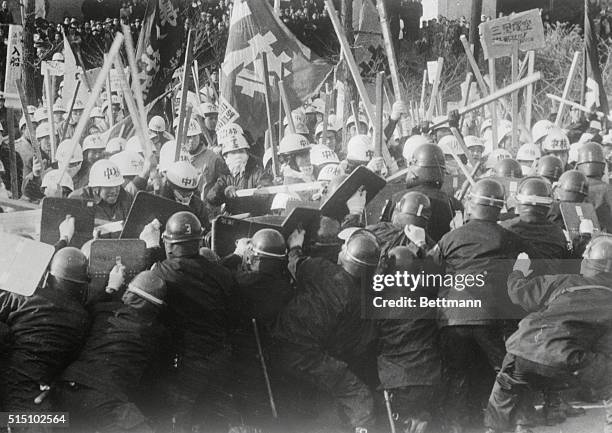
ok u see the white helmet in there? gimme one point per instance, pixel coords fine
(43, 130)
(318, 105)
(116, 142)
(540, 129)
(412, 143)
(40, 114)
(556, 140)
(330, 128)
(473, 141)
(22, 122)
(573, 151)
(133, 145)
(504, 129)
(58, 108)
(93, 141)
(234, 142)
(361, 117)
(63, 151)
(495, 156)
(52, 179)
(228, 130)
(279, 202)
(157, 124)
(167, 154)
(528, 152)
(359, 148)
(450, 145)
(129, 163)
(57, 57)
(327, 173)
(486, 124)
(194, 128)
(31, 110)
(300, 128)
(105, 173)
(321, 155)
(183, 175)
(292, 143)
(96, 113)
(208, 108)
(78, 105)
(586, 137)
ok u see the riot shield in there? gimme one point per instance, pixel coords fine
(145, 208)
(381, 207)
(574, 213)
(255, 205)
(54, 211)
(104, 255)
(227, 230)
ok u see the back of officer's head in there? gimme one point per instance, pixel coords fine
(534, 197)
(68, 272)
(267, 252)
(597, 257)
(183, 235)
(360, 254)
(146, 293)
(486, 199)
(401, 259)
(414, 208)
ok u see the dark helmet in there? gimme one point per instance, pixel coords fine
(591, 159)
(572, 186)
(550, 167)
(428, 164)
(597, 256)
(487, 192)
(401, 259)
(148, 286)
(183, 227)
(70, 264)
(508, 168)
(360, 253)
(268, 243)
(412, 205)
(534, 190)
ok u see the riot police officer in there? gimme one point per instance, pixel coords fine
(592, 163)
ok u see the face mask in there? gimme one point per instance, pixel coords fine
(236, 162)
(182, 198)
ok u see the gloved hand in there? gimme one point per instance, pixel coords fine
(522, 264)
(116, 277)
(457, 220)
(415, 234)
(453, 118)
(36, 167)
(586, 227)
(230, 192)
(4, 193)
(53, 191)
(242, 245)
(151, 233)
(356, 204)
(377, 165)
(296, 239)
(398, 109)
(66, 229)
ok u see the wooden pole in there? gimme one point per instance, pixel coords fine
(568, 87)
(474, 23)
(283, 95)
(475, 69)
(493, 80)
(574, 105)
(211, 84)
(326, 114)
(435, 90)
(49, 93)
(378, 123)
(13, 154)
(515, 95)
(529, 97)
(423, 89)
(280, 110)
(266, 81)
(28, 15)
(466, 96)
(181, 132)
(71, 108)
(29, 124)
(459, 139)
(109, 96)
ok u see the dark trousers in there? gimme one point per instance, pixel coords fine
(468, 352)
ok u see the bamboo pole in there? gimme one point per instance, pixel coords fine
(435, 90)
(529, 96)
(28, 119)
(268, 95)
(493, 109)
(378, 123)
(49, 92)
(568, 87)
(475, 69)
(285, 99)
(515, 95)
(181, 132)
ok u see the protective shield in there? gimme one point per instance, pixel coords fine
(574, 213)
(54, 211)
(255, 205)
(452, 183)
(311, 204)
(335, 205)
(381, 207)
(304, 217)
(145, 208)
(24, 223)
(23, 263)
(227, 230)
(510, 185)
(104, 255)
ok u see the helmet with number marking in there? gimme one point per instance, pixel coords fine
(329, 172)
(293, 143)
(359, 148)
(62, 154)
(233, 143)
(70, 264)
(182, 227)
(450, 145)
(157, 124)
(556, 141)
(182, 175)
(321, 155)
(104, 173)
(94, 141)
(129, 163)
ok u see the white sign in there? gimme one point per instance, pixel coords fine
(497, 36)
(432, 71)
(14, 60)
(227, 113)
(55, 68)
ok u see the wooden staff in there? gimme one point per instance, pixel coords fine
(70, 109)
(462, 144)
(326, 113)
(264, 368)
(185, 128)
(466, 97)
(50, 114)
(435, 89)
(283, 96)
(495, 96)
(211, 84)
(574, 105)
(13, 154)
(28, 119)
(181, 132)
(515, 95)
(355, 111)
(196, 78)
(93, 97)
(423, 89)
(378, 123)
(109, 96)
(493, 78)
(475, 69)
(529, 96)
(568, 87)
(266, 81)
(280, 110)
(466, 184)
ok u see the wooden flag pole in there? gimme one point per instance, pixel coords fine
(378, 123)
(180, 136)
(285, 99)
(493, 110)
(423, 90)
(13, 154)
(280, 110)
(109, 96)
(466, 96)
(515, 95)
(70, 109)
(266, 81)
(326, 115)
(93, 97)
(574, 105)
(435, 90)
(472, 61)
(568, 87)
(49, 92)
(529, 96)
(28, 119)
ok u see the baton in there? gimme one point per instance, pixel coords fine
(389, 411)
(265, 369)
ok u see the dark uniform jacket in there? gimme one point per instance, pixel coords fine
(121, 344)
(252, 177)
(104, 211)
(197, 206)
(478, 248)
(561, 325)
(600, 194)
